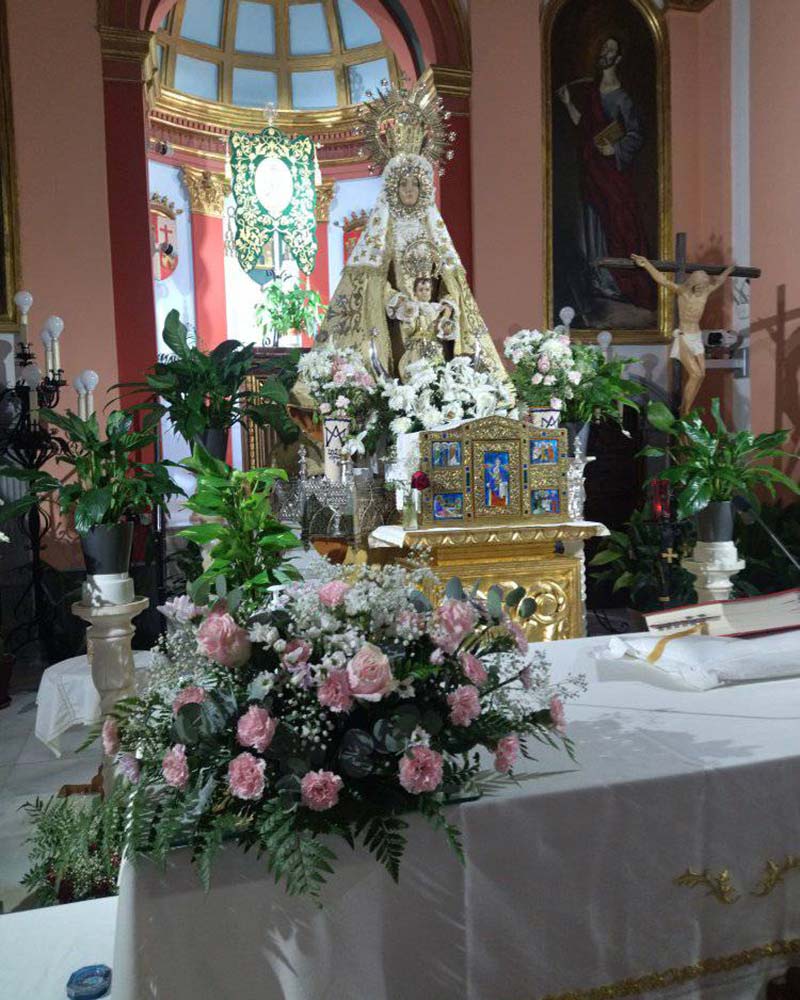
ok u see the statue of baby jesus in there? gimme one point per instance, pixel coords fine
(425, 325)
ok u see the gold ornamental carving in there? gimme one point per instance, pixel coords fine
(719, 886)
(774, 874)
(207, 191)
(325, 193)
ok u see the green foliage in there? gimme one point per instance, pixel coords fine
(603, 389)
(767, 569)
(708, 466)
(248, 543)
(384, 836)
(106, 484)
(76, 846)
(294, 854)
(630, 562)
(285, 310)
(204, 390)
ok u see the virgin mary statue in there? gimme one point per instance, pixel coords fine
(403, 295)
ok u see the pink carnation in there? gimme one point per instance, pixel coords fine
(452, 622)
(128, 767)
(188, 696)
(370, 674)
(421, 770)
(174, 767)
(246, 776)
(297, 654)
(505, 756)
(110, 737)
(256, 728)
(332, 594)
(473, 669)
(320, 790)
(558, 715)
(465, 705)
(335, 693)
(221, 639)
(519, 637)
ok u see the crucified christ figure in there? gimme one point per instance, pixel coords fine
(687, 346)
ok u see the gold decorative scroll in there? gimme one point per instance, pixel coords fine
(774, 874)
(207, 191)
(720, 886)
(325, 193)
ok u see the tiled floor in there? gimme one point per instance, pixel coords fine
(27, 770)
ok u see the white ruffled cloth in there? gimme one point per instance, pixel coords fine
(699, 662)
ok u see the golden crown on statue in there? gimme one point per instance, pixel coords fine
(398, 120)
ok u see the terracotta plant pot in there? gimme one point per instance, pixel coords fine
(215, 442)
(107, 548)
(715, 522)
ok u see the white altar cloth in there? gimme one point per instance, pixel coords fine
(569, 882)
(67, 697)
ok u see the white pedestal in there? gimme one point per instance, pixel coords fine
(712, 565)
(109, 641)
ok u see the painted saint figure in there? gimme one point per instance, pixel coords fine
(610, 135)
(496, 481)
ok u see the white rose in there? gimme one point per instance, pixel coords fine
(549, 380)
(324, 407)
(537, 378)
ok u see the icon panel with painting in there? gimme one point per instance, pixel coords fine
(494, 470)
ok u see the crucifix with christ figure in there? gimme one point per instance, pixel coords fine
(692, 286)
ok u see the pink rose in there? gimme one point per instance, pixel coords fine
(128, 767)
(188, 696)
(297, 654)
(332, 594)
(505, 756)
(320, 790)
(335, 693)
(221, 639)
(369, 673)
(452, 622)
(519, 637)
(110, 737)
(421, 770)
(246, 776)
(543, 364)
(558, 715)
(174, 767)
(473, 669)
(256, 728)
(465, 705)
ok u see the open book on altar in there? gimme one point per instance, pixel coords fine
(746, 616)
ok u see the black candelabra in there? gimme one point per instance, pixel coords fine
(29, 443)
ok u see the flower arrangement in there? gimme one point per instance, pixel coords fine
(344, 704)
(338, 381)
(436, 394)
(546, 372)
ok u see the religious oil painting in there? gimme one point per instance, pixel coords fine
(544, 451)
(448, 507)
(496, 479)
(446, 454)
(545, 501)
(607, 166)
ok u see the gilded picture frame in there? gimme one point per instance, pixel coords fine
(493, 471)
(570, 231)
(9, 235)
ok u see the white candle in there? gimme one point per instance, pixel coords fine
(55, 324)
(23, 301)
(80, 389)
(47, 340)
(32, 376)
(90, 380)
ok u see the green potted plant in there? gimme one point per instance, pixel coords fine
(107, 487)
(203, 391)
(601, 393)
(708, 468)
(284, 310)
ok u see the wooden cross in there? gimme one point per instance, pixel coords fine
(680, 267)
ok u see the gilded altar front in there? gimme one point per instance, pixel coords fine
(546, 559)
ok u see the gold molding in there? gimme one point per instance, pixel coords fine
(207, 191)
(448, 81)
(325, 193)
(690, 6)
(127, 44)
(720, 886)
(683, 974)
(9, 204)
(511, 534)
(656, 21)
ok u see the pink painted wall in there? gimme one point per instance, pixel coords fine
(775, 217)
(57, 97)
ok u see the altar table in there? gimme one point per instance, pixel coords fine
(569, 888)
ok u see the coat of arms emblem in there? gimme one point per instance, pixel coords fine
(163, 236)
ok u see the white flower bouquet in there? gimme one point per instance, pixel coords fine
(438, 394)
(546, 370)
(344, 704)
